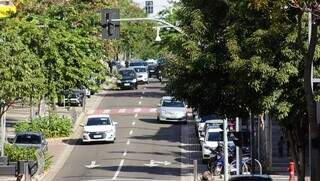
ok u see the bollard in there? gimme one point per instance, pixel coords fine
(195, 170)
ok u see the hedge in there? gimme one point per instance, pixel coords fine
(51, 126)
(16, 153)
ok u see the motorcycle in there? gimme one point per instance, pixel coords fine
(159, 76)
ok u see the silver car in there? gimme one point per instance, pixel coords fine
(171, 109)
(142, 74)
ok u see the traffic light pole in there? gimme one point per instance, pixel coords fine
(225, 144)
(150, 19)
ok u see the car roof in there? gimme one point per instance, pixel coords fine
(30, 133)
(167, 97)
(140, 67)
(214, 129)
(215, 121)
(99, 116)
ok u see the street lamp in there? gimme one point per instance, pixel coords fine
(158, 38)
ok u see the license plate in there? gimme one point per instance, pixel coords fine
(151, 70)
(126, 84)
(97, 136)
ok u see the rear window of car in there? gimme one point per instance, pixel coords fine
(172, 103)
(98, 121)
(127, 73)
(28, 139)
(133, 64)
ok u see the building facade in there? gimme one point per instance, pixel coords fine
(153, 7)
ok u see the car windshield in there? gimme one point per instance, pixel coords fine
(98, 121)
(172, 103)
(126, 73)
(214, 136)
(140, 69)
(28, 139)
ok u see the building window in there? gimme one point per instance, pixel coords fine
(149, 7)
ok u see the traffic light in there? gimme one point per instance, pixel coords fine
(241, 138)
(110, 28)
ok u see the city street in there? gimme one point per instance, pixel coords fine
(144, 149)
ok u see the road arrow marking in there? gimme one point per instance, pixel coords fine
(92, 165)
(151, 164)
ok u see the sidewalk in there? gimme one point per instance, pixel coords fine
(61, 148)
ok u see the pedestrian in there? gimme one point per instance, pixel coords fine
(280, 146)
(291, 170)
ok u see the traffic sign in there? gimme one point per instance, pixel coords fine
(110, 29)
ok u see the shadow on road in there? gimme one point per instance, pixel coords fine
(79, 142)
(143, 169)
(132, 94)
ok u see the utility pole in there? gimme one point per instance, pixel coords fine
(238, 158)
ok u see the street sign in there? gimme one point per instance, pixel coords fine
(110, 29)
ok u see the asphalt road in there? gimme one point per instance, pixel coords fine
(144, 149)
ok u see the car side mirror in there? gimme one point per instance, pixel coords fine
(202, 139)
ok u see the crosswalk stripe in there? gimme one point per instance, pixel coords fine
(152, 110)
(106, 111)
(91, 111)
(122, 111)
(137, 110)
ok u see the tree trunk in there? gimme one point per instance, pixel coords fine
(311, 106)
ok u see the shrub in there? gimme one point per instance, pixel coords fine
(51, 126)
(16, 153)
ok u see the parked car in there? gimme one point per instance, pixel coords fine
(142, 74)
(250, 178)
(201, 121)
(171, 109)
(210, 142)
(128, 78)
(153, 70)
(99, 128)
(215, 123)
(74, 99)
(7, 8)
(31, 139)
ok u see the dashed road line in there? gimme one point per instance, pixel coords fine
(141, 97)
(136, 115)
(133, 123)
(130, 133)
(128, 142)
(118, 170)
(140, 102)
(125, 153)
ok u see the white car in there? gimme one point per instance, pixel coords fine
(142, 74)
(201, 121)
(210, 142)
(210, 124)
(99, 128)
(172, 110)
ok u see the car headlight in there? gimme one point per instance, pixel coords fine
(134, 80)
(119, 81)
(109, 131)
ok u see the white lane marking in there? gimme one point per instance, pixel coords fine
(92, 165)
(91, 111)
(122, 110)
(141, 97)
(140, 102)
(128, 142)
(133, 123)
(153, 110)
(106, 111)
(118, 170)
(136, 115)
(137, 110)
(130, 133)
(125, 153)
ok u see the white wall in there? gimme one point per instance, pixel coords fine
(158, 5)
